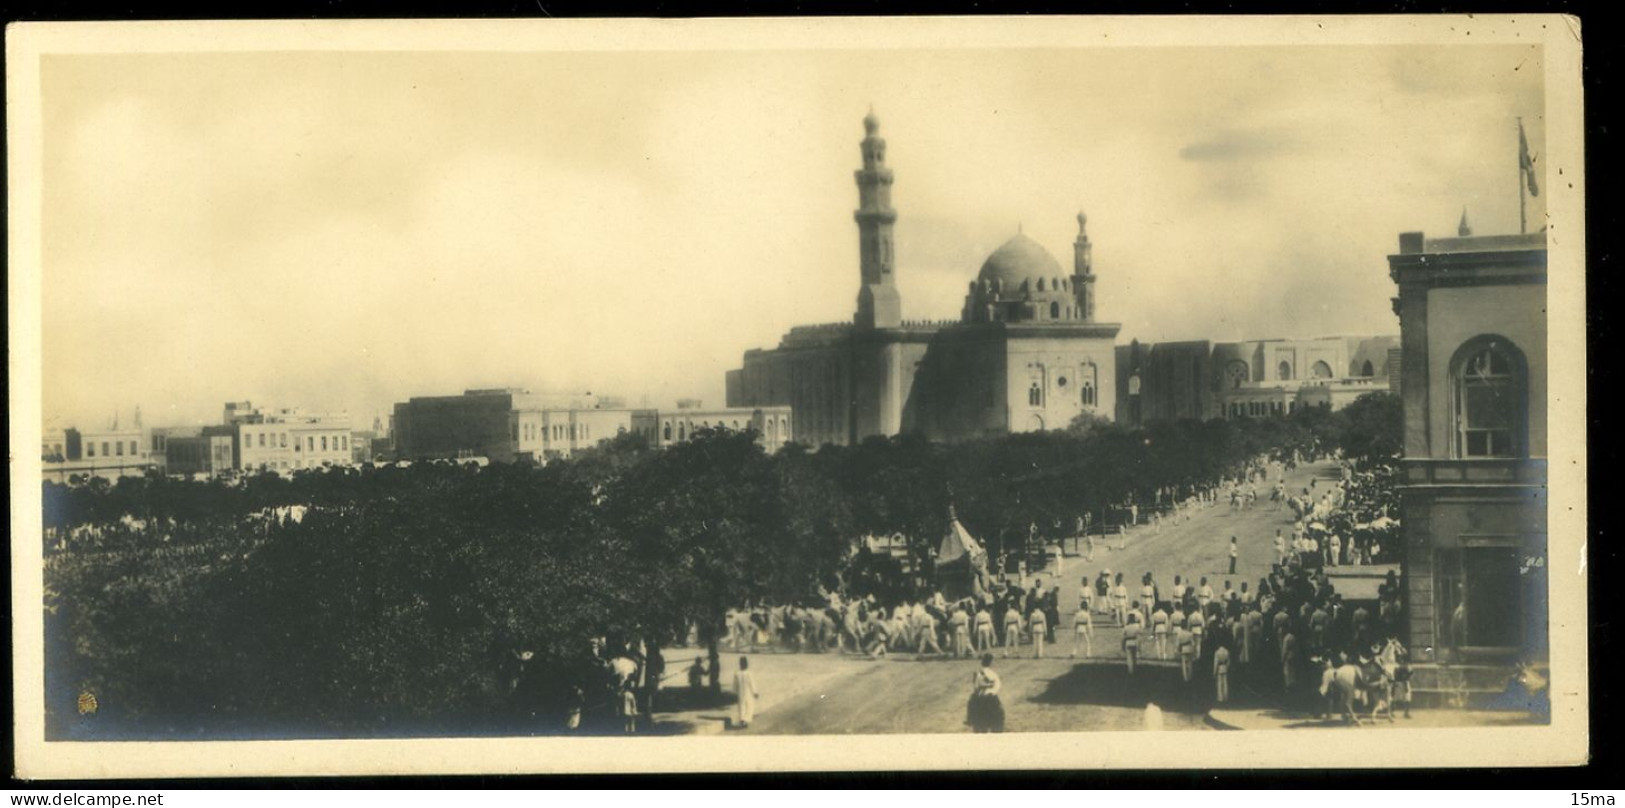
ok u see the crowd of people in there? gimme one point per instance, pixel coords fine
(1289, 638)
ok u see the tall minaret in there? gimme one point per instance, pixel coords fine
(1083, 280)
(879, 305)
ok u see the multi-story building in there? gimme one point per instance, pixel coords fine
(1202, 380)
(1472, 316)
(287, 439)
(109, 453)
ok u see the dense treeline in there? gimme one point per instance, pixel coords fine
(454, 598)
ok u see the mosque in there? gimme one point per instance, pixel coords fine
(1026, 355)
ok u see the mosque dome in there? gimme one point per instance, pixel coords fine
(1017, 260)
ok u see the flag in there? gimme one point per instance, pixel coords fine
(1526, 163)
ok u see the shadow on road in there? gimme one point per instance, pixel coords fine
(1110, 685)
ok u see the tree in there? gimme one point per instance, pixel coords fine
(1374, 426)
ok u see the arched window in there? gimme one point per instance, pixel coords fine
(1035, 395)
(1283, 371)
(1321, 370)
(1367, 369)
(666, 433)
(1491, 405)
(1055, 311)
(1040, 284)
(1088, 381)
(681, 431)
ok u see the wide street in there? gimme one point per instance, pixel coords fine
(835, 694)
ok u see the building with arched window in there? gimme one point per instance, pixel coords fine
(1025, 354)
(1202, 380)
(1472, 315)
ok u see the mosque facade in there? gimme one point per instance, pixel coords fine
(1027, 353)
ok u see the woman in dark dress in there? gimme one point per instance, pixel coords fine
(985, 712)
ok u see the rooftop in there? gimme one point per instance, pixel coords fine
(1416, 242)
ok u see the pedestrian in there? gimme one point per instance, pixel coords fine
(984, 630)
(1204, 596)
(1120, 601)
(1131, 645)
(572, 715)
(1289, 667)
(960, 622)
(1235, 553)
(1083, 628)
(1198, 624)
(696, 674)
(1319, 619)
(626, 703)
(1012, 630)
(1186, 645)
(985, 712)
(745, 688)
(1148, 595)
(1037, 624)
(1280, 547)
(1221, 672)
(1052, 613)
(1159, 631)
(928, 632)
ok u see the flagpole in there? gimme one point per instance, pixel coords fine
(1523, 220)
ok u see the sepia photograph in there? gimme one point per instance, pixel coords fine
(769, 395)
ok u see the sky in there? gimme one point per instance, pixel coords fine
(340, 231)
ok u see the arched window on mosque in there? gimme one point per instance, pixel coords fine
(1055, 311)
(1283, 371)
(667, 431)
(1321, 370)
(681, 432)
(1367, 369)
(1035, 395)
(1490, 407)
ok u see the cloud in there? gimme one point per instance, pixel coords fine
(1239, 145)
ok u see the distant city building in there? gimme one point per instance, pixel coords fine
(1202, 380)
(206, 453)
(512, 425)
(1472, 315)
(665, 428)
(282, 439)
(108, 453)
(1026, 354)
